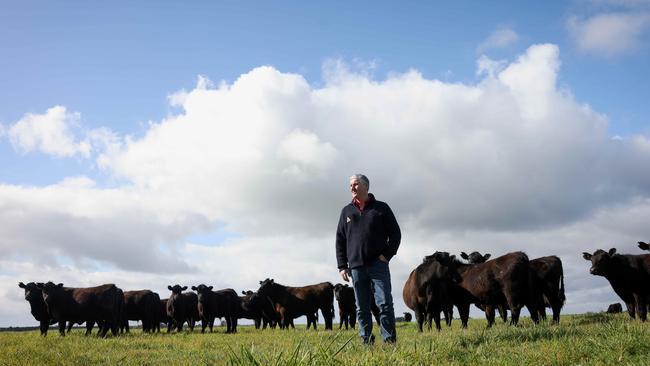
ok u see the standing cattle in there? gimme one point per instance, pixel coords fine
(644, 246)
(216, 304)
(91, 304)
(293, 302)
(344, 295)
(629, 276)
(181, 307)
(548, 276)
(262, 307)
(614, 308)
(427, 290)
(503, 280)
(163, 317)
(141, 305)
(34, 297)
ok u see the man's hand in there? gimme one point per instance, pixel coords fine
(382, 258)
(345, 274)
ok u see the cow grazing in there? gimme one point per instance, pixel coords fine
(344, 295)
(644, 246)
(427, 290)
(615, 308)
(181, 307)
(293, 302)
(629, 276)
(103, 304)
(216, 304)
(503, 280)
(141, 305)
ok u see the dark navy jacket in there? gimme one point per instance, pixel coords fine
(361, 237)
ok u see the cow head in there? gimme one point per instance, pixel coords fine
(50, 290)
(475, 257)
(266, 287)
(202, 291)
(177, 289)
(447, 266)
(644, 246)
(32, 292)
(339, 291)
(601, 261)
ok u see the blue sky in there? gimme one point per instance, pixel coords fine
(118, 64)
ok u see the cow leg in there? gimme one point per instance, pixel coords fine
(631, 309)
(257, 322)
(503, 312)
(489, 315)
(556, 306)
(89, 327)
(436, 318)
(179, 326)
(419, 318)
(44, 326)
(170, 324)
(463, 313)
(234, 322)
(428, 320)
(70, 324)
(516, 310)
(210, 324)
(62, 328)
(641, 307)
(353, 319)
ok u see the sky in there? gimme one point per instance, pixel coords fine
(154, 143)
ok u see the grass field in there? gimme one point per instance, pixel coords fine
(579, 339)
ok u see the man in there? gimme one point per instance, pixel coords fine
(367, 238)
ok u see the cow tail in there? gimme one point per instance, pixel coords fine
(561, 296)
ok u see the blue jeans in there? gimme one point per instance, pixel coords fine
(377, 275)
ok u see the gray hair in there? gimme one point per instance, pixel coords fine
(361, 178)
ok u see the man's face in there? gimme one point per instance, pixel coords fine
(358, 189)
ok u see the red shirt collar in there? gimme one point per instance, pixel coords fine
(361, 205)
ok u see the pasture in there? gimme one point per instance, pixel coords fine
(579, 339)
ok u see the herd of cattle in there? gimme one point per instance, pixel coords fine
(440, 282)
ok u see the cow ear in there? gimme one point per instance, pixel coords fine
(487, 256)
(612, 251)
(210, 287)
(184, 288)
(170, 288)
(40, 285)
(464, 255)
(194, 288)
(21, 285)
(59, 285)
(243, 292)
(586, 256)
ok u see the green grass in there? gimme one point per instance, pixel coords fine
(594, 339)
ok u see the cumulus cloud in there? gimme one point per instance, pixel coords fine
(49, 133)
(500, 38)
(610, 34)
(511, 162)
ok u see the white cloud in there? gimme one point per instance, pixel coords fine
(49, 133)
(509, 163)
(609, 34)
(502, 37)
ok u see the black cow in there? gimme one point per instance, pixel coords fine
(644, 246)
(262, 307)
(217, 304)
(504, 280)
(629, 276)
(548, 275)
(615, 308)
(141, 305)
(292, 302)
(163, 317)
(344, 295)
(181, 307)
(34, 297)
(103, 304)
(427, 290)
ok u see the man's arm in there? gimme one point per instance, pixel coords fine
(341, 243)
(394, 234)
